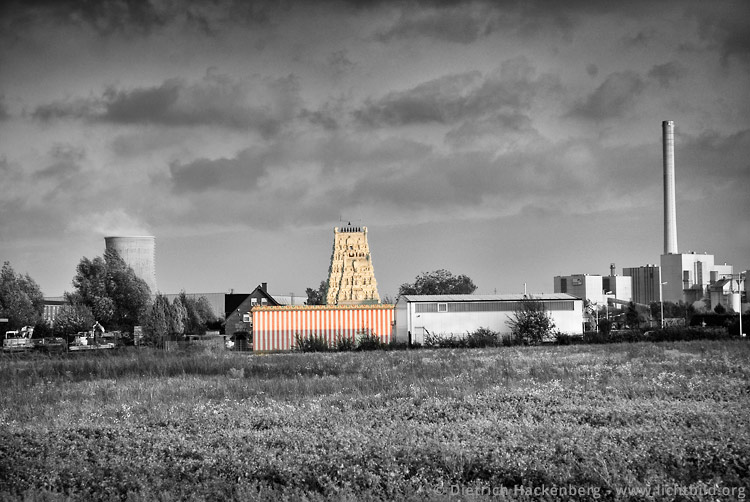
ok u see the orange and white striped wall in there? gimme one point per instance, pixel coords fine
(274, 328)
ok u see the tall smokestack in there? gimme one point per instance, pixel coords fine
(670, 212)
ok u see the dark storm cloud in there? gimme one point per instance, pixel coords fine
(135, 16)
(77, 108)
(735, 40)
(465, 22)
(439, 100)
(320, 118)
(641, 39)
(457, 97)
(4, 115)
(66, 162)
(612, 98)
(716, 157)
(668, 73)
(340, 63)
(727, 26)
(505, 125)
(264, 106)
(462, 24)
(240, 173)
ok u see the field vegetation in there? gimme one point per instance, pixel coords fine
(429, 424)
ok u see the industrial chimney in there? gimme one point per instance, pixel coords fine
(670, 216)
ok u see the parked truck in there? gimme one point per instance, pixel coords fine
(95, 339)
(18, 340)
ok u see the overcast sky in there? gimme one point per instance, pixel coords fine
(510, 141)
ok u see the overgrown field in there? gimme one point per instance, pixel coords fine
(516, 423)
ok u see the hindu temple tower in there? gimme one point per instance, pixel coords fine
(351, 279)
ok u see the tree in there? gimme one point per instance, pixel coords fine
(530, 323)
(439, 282)
(21, 299)
(198, 314)
(72, 318)
(632, 317)
(720, 309)
(156, 323)
(109, 287)
(177, 316)
(317, 296)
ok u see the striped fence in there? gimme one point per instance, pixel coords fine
(274, 328)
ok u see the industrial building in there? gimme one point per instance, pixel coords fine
(681, 277)
(459, 315)
(687, 276)
(684, 276)
(644, 283)
(276, 328)
(596, 289)
(139, 252)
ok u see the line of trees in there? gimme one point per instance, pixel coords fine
(183, 316)
(105, 290)
(21, 299)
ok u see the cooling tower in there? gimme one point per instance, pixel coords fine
(139, 253)
(670, 212)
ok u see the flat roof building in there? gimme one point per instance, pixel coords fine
(418, 316)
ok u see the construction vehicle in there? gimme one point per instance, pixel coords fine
(96, 339)
(18, 340)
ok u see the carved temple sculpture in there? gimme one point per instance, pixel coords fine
(351, 280)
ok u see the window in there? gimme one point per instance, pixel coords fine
(245, 317)
(442, 307)
(253, 301)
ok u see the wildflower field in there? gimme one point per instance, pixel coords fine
(640, 421)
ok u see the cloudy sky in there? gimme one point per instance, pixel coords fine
(511, 141)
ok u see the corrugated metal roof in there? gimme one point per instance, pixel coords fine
(486, 298)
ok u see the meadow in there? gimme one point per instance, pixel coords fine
(638, 421)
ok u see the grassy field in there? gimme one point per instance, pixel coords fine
(520, 423)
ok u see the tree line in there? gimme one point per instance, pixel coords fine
(105, 290)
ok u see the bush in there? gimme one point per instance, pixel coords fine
(686, 334)
(566, 339)
(367, 340)
(311, 343)
(483, 337)
(442, 341)
(345, 344)
(530, 323)
(670, 334)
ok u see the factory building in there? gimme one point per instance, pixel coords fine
(644, 283)
(687, 276)
(684, 277)
(418, 316)
(680, 277)
(596, 289)
(277, 328)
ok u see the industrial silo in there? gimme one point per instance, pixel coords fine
(139, 252)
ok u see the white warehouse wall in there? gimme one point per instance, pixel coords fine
(409, 318)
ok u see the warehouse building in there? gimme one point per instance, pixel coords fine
(276, 328)
(459, 315)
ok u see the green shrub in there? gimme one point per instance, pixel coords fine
(344, 344)
(367, 340)
(483, 337)
(442, 341)
(311, 343)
